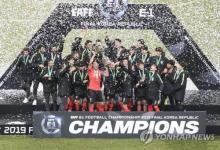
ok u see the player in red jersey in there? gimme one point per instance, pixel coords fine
(95, 76)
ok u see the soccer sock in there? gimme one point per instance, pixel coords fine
(91, 107)
(156, 108)
(120, 105)
(138, 106)
(101, 107)
(69, 104)
(144, 105)
(110, 106)
(130, 104)
(84, 105)
(150, 107)
(106, 106)
(77, 105)
(125, 108)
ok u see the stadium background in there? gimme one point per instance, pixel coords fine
(21, 19)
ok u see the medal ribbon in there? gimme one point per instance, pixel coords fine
(151, 75)
(132, 59)
(158, 61)
(113, 74)
(50, 71)
(25, 60)
(81, 74)
(143, 57)
(42, 57)
(141, 73)
(53, 56)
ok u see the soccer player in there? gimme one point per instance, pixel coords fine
(180, 85)
(64, 85)
(55, 57)
(125, 78)
(38, 63)
(169, 81)
(159, 59)
(95, 83)
(80, 79)
(118, 51)
(133, 57)
(140, 44)
(110, 86)
(145, 57)
(49, 77)
(140, 87)
(87, 52)
(154, 88)
(25, 69)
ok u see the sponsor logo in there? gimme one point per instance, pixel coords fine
(113, 9)
(51, 124)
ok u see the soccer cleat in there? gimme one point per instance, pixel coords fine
(25, 100)
(34, 103)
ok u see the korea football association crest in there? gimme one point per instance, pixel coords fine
(113, 9)
(51, 125)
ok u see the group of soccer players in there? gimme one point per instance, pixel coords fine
(103, 76)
